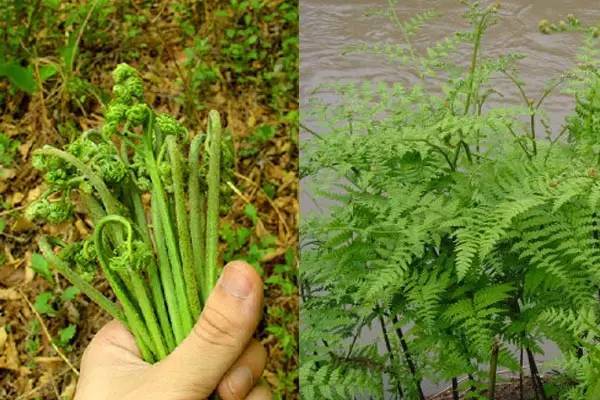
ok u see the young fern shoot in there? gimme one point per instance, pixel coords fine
(153, 196)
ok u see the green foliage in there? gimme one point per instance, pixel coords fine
(8, 150)
(51, 304)
(69, 294)
(257, 140)
(46, 42)
(242, 44)
(173, 251)
(44, 304)
(253, 52)
(454, 226)
(32, 344)
(241, 243)
(198, 74)
(21, 77)
(65, 335)
(40, 266)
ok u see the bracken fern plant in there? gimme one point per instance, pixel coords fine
(464, 233)
(152, 193)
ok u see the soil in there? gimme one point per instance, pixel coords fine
(509, 390)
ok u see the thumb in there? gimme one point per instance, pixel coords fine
(225, 327)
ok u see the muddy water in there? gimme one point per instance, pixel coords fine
(329, 26)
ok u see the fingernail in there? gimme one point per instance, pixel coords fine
(239, 381)
(234, 281)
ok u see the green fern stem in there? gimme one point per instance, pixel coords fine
(455, 395)
(408, 357)
(492, 372)
(134, 320)
(212, 212)
(405, 34)
(158, 296)
(94, 294)
(538, 385)
(183, 231)
(197, 211)
(160, 306)
(166, 276)
(159, 196)
(478, 35)
(93, 206)
(390, 350)
(137, 284)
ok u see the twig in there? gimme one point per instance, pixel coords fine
(12, 210)
(13, 237)
(521, 375)
(390, 351)
(38, 78)
(238, 192)
(80, 34)
(493, 367)
(354, 339)
(535, 376)
(408, 357)
(47, 334)
(461, 380)
(311, 131)
(269, 200)
(455, 395)
(159, 13)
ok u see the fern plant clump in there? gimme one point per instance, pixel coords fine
(465, 234)
(152, 193)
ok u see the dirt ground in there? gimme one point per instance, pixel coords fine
(508, 390)
(30, 367)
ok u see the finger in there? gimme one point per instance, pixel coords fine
(112, 344)
(260, 392)
(223, 331)
(111, 352)
(246, 371)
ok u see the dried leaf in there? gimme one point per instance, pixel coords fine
(29, 274)
(9, 294)
(17, 198)
(82, 228)
(34, 193)
(69, 391)
(251, 122)
(22, 224)
(3, 337)
(10, 356)
(7, 173)
(25, 148)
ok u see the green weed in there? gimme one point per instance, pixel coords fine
(8, 150)
(250, 55)
(241, 244)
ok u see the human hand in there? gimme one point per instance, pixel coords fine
(219, 354)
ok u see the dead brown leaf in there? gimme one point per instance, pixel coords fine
(21, 225)
(10, 356)
(25, 148)
(9, 294)
(69, 390)
(17, 198)
(3, 337)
